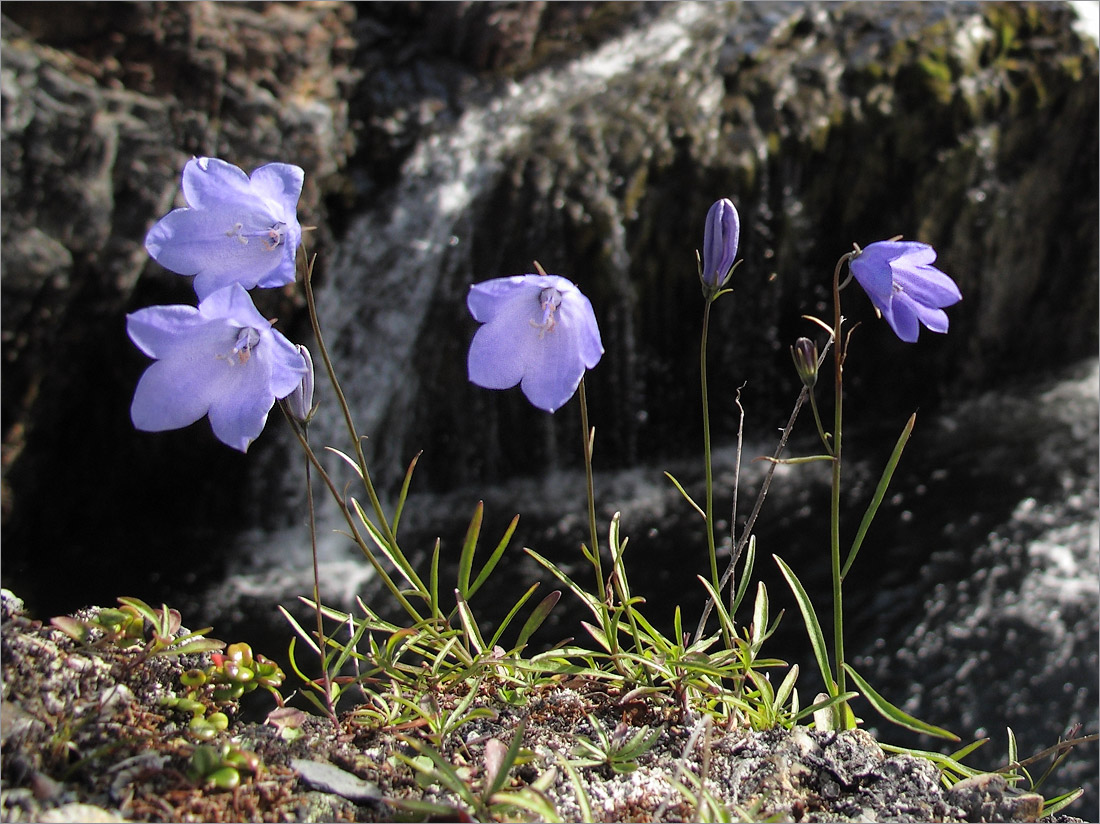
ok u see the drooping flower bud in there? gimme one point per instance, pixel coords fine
(720, 236)
(804, 353)
(300, 401)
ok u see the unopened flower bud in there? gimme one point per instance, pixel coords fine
(720, 236)
(300, 401)
(804, 353)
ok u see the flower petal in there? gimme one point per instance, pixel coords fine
(287, 365)
(486, 299)
(935, 319)
(553, 368)
(234, 303)
(242, 401)
(209, 182)
(173, 393)
(577, 315)
(927, 284)
(902, 317)
(500, 350)
(157, 330)
(871, 267)
(281, 184)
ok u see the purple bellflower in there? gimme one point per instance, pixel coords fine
(235, 228)
(720, 236)
(538, 331)
(904, 286)
(221, 359)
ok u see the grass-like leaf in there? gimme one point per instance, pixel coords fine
(880, 493)
(404, 494)
(892, 713)
(512, 614)
(494, 558)
(687, 497)
(536, 618)
(469, 544)
(813, 626)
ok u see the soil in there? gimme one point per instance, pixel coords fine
(87, 736)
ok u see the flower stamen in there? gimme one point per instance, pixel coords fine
(549, 301)
(247, 340)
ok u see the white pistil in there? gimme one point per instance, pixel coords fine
(272, 237)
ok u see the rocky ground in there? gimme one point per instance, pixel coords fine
(87, 736)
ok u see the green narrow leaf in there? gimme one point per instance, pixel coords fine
(534, 621)
(763, 686)
(393, 553)
(469, 544)
(433, 581)
(469, 625)
(597, 634)
(583, 802)
(785, 688)
(759, 617)
(529, 799)
(687, 497)
(298, 629)
(507, 762)
(347, 459)
(944, 762)
(512, 614)
(589, 600)
(404, 492)
(746, 573)
(724, 618)
(892, 713)
(813, 627)
(963, 752)
(146, 611)
(443, 772)
(198, 645)
(880, 493)
(1056, 805)
(348, 648)
(494, 558)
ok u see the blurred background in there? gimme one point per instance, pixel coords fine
(449, 143)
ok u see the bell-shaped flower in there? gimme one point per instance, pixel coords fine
(220, 359)
(906, 289)
(235, 228)
(538, 331)
(720, 237)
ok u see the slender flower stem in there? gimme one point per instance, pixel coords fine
(839, 353)
(820, 429)
(376, 504)
(354, 532)
(610, 632)
(589, 436)
(322, 641)
(709, 507)
(746, 532)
